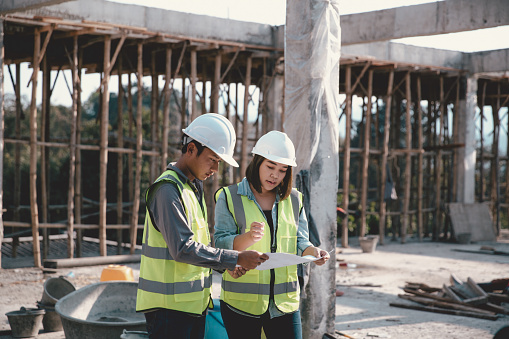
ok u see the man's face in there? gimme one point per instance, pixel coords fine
(204, 165)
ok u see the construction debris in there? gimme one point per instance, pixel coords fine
(469, 299)
(483, 250)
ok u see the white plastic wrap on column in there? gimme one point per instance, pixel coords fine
(312, 52)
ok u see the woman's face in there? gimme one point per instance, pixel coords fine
(271, 174)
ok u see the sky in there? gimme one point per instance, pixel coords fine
(273, 12)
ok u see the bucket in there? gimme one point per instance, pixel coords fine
(51, 321)
(117, 272)
(134, 335)
(368, 243)
(54, 289)
(26, 322)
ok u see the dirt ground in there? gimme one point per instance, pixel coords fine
(362, 312)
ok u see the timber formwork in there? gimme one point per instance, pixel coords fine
(409, 133)
(51, 44)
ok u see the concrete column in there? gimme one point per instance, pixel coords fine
(312, 52)
(1, 133)
(465, 176)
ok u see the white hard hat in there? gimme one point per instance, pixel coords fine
(276, 146)
(215, 132)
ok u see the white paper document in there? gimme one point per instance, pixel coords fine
(284, 259)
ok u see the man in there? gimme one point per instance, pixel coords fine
(176, 261)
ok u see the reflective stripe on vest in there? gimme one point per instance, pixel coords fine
(250, 293)
(164, 282)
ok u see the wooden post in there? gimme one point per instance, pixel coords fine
(455, 129)
(481, 155)
(183, 104)
(72, 151)
(385, 153)
(346, 154)
(495, 162)
(120, 156)
(45, 168)
(193, 79)
(408, 160)
(166, 110)
(130, 121)
(203, 98)
(438, 166)
(365, 155)
(33, 151)
(237, 172)
(245, 120)
(103, 146)
(78, 202)
(153, 117)
(420, 168)
(139, 140)
(216, 83)
(214, 103)
(17, 146)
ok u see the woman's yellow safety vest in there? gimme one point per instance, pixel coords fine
(250, 293)
(164, 282)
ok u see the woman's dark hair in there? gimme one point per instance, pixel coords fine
(253, 177)
(198, 145)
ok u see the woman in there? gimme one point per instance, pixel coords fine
(264, 213)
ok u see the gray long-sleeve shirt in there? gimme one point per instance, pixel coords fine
(166, 209)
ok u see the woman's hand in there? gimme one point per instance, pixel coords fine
(256, 231)
(323, 255)
(318, 253)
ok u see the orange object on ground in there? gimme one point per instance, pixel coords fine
(117, 272)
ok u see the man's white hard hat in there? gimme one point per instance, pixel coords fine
(215, 132)
(276, 146)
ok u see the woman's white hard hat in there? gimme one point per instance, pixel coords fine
(215, 132)
(276, 146)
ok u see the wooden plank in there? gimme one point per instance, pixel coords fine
(448, 291)
(442, 299)
(446, 311)
(442, 304)
(91, 261)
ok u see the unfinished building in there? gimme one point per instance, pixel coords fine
(419, 132)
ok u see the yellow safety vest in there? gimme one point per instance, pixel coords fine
(164, 282)
(250, 293)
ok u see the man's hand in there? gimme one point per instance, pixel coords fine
(238, 272)
(251, 259)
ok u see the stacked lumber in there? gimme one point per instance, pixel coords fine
(467, 299)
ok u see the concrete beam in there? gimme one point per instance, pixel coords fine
(165, 21)
(11, 6)
(395, 52)
(488, 61)
(479, 62)
(441, 17)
